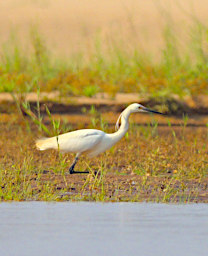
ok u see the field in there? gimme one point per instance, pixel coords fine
(161, 159)
(62, 73)
(112, 48)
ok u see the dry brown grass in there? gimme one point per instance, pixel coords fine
(162, 164)
(72, 26)
(81, 48)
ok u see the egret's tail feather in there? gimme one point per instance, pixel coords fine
(46, 143)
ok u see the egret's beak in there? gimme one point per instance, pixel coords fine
(152, 111)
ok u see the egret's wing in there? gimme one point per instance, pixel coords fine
(79, 141)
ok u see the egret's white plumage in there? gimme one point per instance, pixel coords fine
(91, 141)
(76, 142)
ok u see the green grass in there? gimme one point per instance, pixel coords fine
(180, 69)
(148, 165)
(153, 163)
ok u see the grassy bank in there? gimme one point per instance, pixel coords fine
(111, 67)
(152, 163)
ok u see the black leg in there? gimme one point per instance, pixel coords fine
(71, 168)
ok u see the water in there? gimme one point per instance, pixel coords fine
(95, 229)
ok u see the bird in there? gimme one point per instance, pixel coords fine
(91, 142)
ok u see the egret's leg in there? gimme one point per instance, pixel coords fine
(71, 168)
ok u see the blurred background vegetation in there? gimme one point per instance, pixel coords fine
(156, 48)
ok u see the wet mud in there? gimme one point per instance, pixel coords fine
(162, 159)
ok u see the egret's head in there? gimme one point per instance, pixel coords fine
(136, 107)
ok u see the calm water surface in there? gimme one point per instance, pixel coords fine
(96, 229)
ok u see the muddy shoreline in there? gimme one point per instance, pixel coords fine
(162, 158)
(197, 105)
(163, 164)
(129, 187)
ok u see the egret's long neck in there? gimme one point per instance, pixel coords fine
(116, 136)
(124, 121)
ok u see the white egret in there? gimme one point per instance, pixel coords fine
(91, 141)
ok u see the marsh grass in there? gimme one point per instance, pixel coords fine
(152, 163)
(180, 69)
(162, 164)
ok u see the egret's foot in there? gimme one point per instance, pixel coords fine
(71, 169)
(78, 172)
